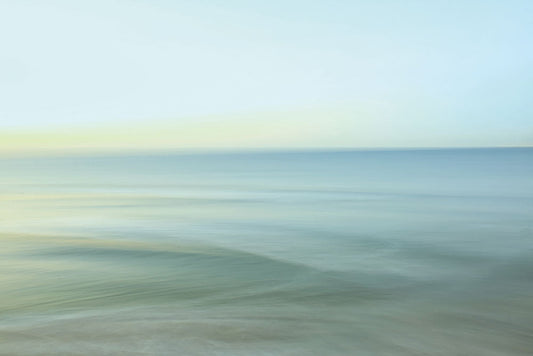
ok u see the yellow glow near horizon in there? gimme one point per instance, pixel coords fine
(375, 126)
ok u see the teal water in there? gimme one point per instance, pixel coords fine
(415, 252)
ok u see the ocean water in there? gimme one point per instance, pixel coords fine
(414, 252)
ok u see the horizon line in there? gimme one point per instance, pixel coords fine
(52, 153)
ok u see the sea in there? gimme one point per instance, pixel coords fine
(353, 252)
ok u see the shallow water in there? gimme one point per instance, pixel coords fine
(420, 252)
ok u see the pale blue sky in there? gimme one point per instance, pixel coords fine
(453, 71)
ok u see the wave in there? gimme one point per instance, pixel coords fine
(67, 277)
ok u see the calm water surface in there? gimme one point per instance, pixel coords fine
(422, 252)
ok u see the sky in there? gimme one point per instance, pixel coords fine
(150, 74)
